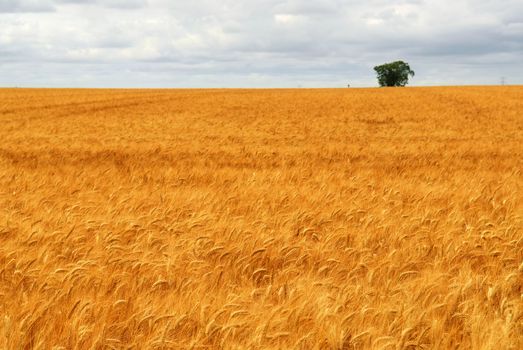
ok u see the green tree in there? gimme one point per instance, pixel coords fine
(394, 73)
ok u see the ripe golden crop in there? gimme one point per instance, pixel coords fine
(261, 219)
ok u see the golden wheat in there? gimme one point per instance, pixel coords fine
(261, 219)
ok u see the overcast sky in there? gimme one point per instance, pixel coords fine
(257, 43)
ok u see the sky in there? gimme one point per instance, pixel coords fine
(257, 43)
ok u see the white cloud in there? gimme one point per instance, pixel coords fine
(14, 6)
(374, 21)
(289, 19)
(256, 42)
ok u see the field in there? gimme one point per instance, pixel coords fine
(261, 219)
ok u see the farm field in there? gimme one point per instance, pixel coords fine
(261, 219)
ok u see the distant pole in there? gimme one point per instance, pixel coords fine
(503, 81)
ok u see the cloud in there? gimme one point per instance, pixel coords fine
(117, 4)
(16, 6)
(250, 42)
(289, 19)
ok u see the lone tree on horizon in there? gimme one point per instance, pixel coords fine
(394, 73)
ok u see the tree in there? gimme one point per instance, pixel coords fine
(394, 73)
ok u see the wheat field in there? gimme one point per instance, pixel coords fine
(261, 219)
